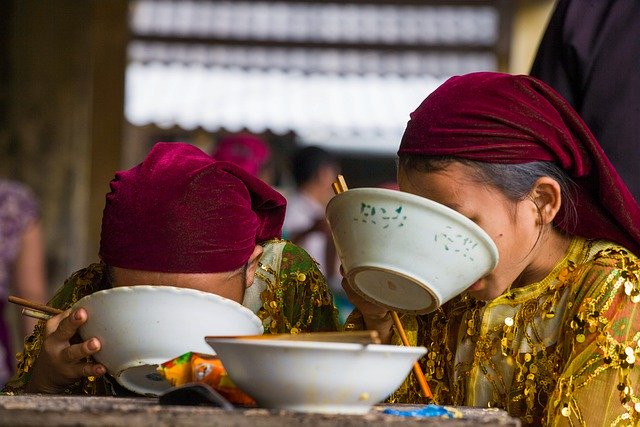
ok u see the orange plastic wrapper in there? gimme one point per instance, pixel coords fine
(205, 368)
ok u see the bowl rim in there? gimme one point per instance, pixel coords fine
(317, 345)
(168, 289)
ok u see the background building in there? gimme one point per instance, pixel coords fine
(86, 87)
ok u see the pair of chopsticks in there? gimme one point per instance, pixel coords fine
(33, 309)
(340, 186)
(358, 337)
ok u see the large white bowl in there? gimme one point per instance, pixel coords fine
(141, 327)
(406, 252)
(307, 376)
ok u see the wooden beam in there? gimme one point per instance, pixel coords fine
(292, 44)
(454, 3)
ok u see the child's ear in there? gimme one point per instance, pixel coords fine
(547, 196)
(252, 265)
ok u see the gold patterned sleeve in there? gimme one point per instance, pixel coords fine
(79, 284)
(355, 321)
(299, 299)
(600, 381)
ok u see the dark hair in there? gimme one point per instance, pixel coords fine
(513, 180)
(308, 161)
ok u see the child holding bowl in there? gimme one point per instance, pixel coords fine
(552, 333)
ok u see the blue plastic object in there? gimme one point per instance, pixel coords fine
(426, 411)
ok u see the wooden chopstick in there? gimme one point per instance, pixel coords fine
(358, 337)
(34, 309)
(417, 370)
(342, 183)
(35, 314)
(340, 187)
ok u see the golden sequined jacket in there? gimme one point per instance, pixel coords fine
(561, 351)
(289, 294)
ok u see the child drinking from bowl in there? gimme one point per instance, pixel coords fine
(552, 334)
(180, 218)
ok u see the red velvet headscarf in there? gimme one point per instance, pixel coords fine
(181, 211)
(502, 118)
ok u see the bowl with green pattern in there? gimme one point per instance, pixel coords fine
(406, 252)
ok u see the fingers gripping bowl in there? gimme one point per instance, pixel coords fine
(141, 327)
(406, 252)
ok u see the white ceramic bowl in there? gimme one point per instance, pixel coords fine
(406, 252)
(141, 327)
(307, 376)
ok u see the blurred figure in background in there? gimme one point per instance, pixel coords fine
(248, 151)
(590, 54)
(22, 268)
(314, 170)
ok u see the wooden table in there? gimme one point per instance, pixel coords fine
(45, 410)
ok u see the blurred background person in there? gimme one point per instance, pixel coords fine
(590, 54)
(22, 270)
(250, 152)
(314, 170)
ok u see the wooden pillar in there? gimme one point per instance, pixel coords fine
(108, 49)
(65, 84)
(529, 22)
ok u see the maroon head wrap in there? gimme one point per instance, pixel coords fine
(501, 118)
(182, 211)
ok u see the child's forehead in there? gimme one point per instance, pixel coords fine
(455, 187)
(454, 173)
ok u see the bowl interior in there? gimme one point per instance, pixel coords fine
(309, 376)
(393, 289)
(406, 252)
(143, 326)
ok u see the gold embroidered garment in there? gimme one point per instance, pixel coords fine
(558, 352)
(289, 295)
